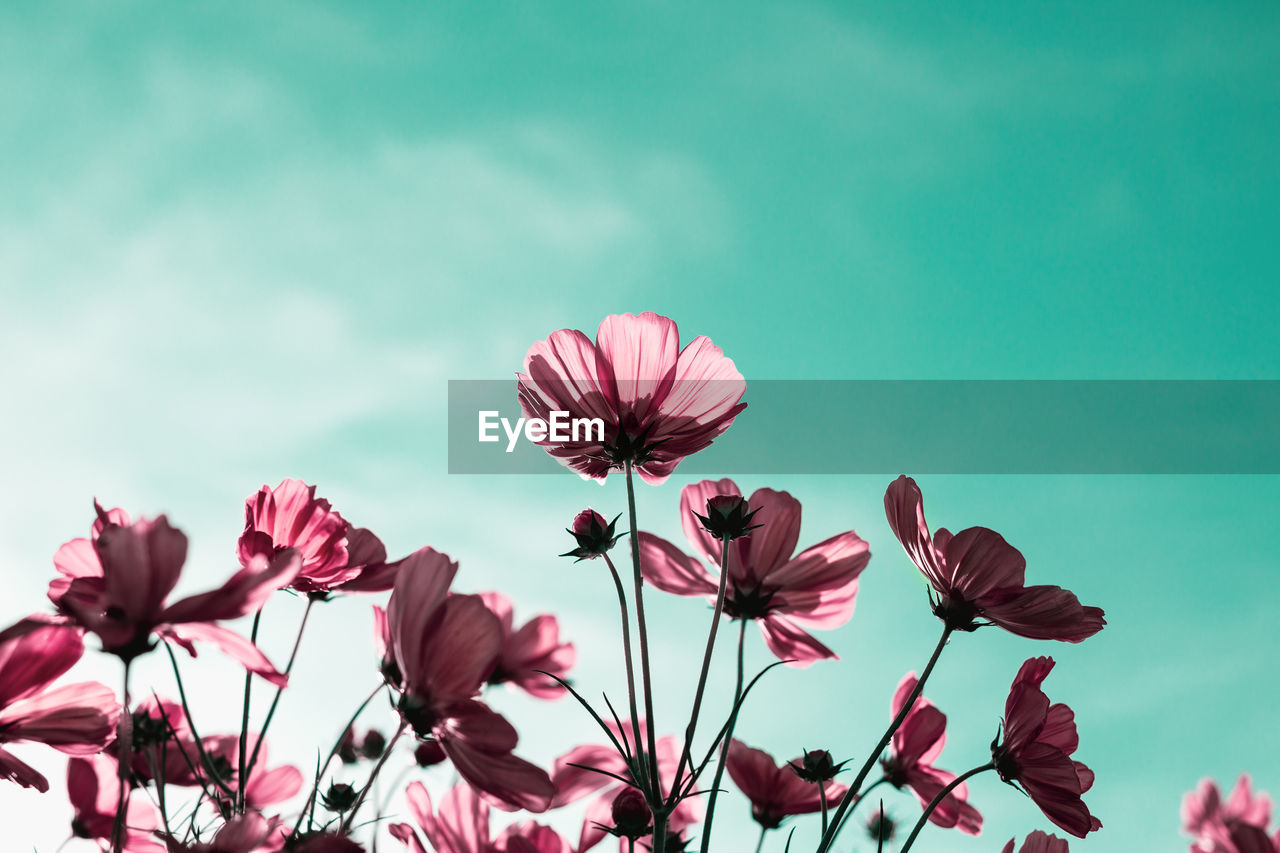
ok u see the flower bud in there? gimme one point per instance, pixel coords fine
(428, 753)
(880, 827)
(728, 517)
(631, 815)
(347, 747)
(373, 744)
(817, 766)
(593, 534)
(339, 797)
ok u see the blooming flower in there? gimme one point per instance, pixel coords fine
(573, 781)
(1210, 821)
(816, 588)
(266, 787)
(1039, 739)
(916, 744)
(438, 649)
(657, 402)
(977, 574)
(462, 826)
(291, 516)
(93, 789)
(534, 646)
(775, 791)
(1038, 842)
(77, 719)
(247, 833)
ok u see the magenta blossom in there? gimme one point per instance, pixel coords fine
(918, 743)
(291, 516)
(529, 651)
(785, 594)
(93, 788)
(116, 585)
(77, 719)
(1038, 842)
(978, 575)
(657, 402)
(1039, 739)
(438, 650)
(1210, 821)
(461, 825)
(775, 791)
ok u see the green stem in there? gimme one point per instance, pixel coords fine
(843, 809)
(728, 738)
(315, 790)
(364, 792)
(244, 723)
(124, 743)
(686, 753)
(760, 844)
(942, 795)
(626, 652)
(650, 725)
(247, 769)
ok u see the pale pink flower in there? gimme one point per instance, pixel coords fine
(77, 719)
(916, 745)
(437, 651)
(529, 651)
(461, 825)
(658, 403)
(1210, 821)
(93, 789)
(1038, 842)
(978, 575)
(774, 790)
(784, 594)
(247, 833)
(1038, 740)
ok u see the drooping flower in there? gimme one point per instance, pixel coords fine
(529, 651)
(1039, 842)
(978, 575)
(93, 789)
(915, 746)
(775, 791)
(77, 719)
(574, 780)
(1038, 741)
(438, 648)
(657, 402)
(116, 585)
(461, 825)
(1210, 821)
(785, 594)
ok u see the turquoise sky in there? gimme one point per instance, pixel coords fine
(242, 242)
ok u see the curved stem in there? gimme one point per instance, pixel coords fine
(942, 795)
(124, 743)
(686, 753)
(728, 738)
(247, 770)
(646, 675)
(364, 792)
(626, 652)
(244, 722)
(842, 810)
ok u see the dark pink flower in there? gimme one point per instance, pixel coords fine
(915, 746)
(461, 825)
(529, 651)
(1210, 821)
(978, 575)
(1038, 842)
(816, 588)
(658, 403)
(291, 516)
(438, 650)
(77, 719)
(116, 585)
(573, 782)
(267, 787)
(775, 791)
(93, 789)
(1039, 739)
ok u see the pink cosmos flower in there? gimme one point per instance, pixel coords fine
(658, 403)
(575, 782)
(77, 719)
(1210, 821)
(816, 588)
(461, 825)
(775, 791)
(915, 746)
(1039, 739)
(291, 516)
(534, 646)
(977, 574)
(247, 833)
(1038, 842)
(93, 788)
(116, 585)
(438, 649)
(267, 787)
